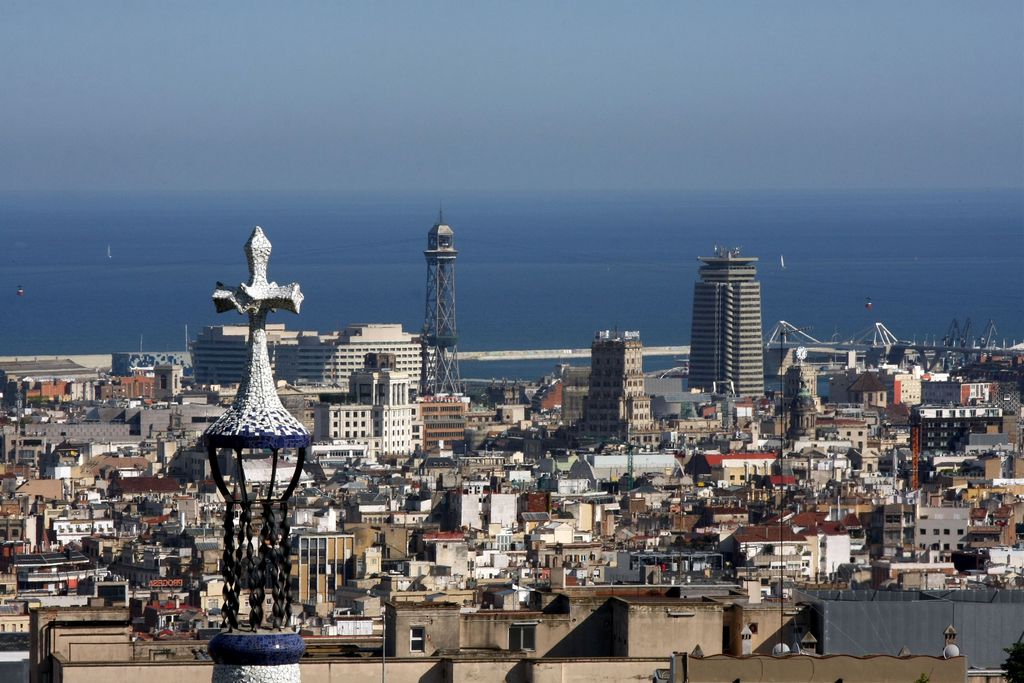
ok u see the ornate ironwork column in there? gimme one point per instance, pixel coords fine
(261, 647)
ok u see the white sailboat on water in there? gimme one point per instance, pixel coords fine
(108, 252)
(782, 261)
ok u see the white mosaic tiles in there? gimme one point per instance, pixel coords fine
(282, 673)
(256, 418)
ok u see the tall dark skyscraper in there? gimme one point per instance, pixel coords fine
(616, 405)
(725, 340)
(440, 339)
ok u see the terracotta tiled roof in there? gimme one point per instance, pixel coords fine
(768, 533)
(832, 528)
(727, 510)
(809, 518)
(866, 383)
(154, 521)
(716, 460)
(851, 520)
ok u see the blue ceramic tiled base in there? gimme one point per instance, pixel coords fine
(268, 648)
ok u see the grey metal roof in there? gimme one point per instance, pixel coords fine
(536, 516)
(864, 622)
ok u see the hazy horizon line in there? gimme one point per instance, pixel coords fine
(525, 190)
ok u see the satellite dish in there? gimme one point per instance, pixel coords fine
(782, 649)
(950, 651)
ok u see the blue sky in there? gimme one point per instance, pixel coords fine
(447, 96)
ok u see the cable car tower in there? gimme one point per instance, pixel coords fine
(440, 339)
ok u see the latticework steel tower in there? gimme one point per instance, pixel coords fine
(441, 357)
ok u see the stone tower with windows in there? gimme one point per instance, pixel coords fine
(616, 405)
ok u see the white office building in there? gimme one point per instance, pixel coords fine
(331, 358)
(303, 357)
(380, 414)
(220, 353)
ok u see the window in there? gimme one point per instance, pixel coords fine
(417, 639)
(522, 637)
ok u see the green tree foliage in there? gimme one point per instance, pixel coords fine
(1014, 663)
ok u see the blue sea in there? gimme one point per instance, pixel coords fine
(535, 270)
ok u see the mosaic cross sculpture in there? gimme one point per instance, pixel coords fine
(257, 424)
(257, 410)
